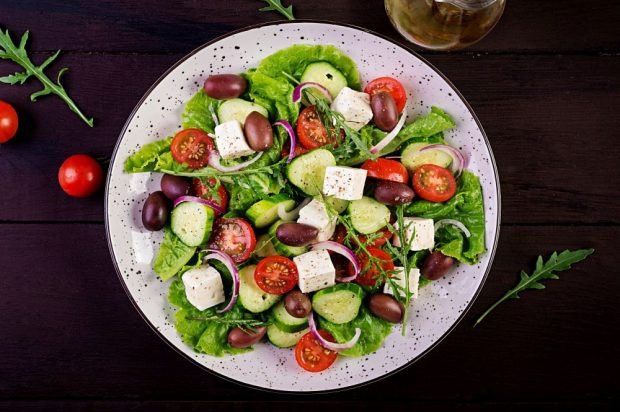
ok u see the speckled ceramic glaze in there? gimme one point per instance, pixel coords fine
(440, 305)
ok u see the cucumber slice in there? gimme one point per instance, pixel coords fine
(264, 246)
(239, 109)
(265, 212)
(285, 321)
(192, 223)
(281, 248)
(251, 297)
(368, 215)
(307, 171)
(340, 303)
(412, 158)
(326, 75)
(339, 205)
(283, 339)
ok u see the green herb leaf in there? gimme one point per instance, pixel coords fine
(556, 263)
(276, 5)
(18, 54)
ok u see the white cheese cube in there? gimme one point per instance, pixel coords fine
(399, 278)
(203, 287)
(354, 107)
(316, 271)
(230, 140)
(315, 214)
(343, 182)
(424, 233)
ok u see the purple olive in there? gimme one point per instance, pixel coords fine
(175, 186)
(297, 304)
(386, 307)
(239, 338)
(155, 211)
(296, 234)
(225, 86)
(384, 110)
(258, 132)
(393, 193)
(436, 265)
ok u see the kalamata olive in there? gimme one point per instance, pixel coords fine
(296, 234)
(239, 338)
(258, 132)
(436, 265)
(386, 307)
(393, 193)
(225, 86)
(384, 111)
(297, 304)
(155, 211)
(174, 186)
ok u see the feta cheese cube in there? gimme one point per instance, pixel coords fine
(354, 107)
(203, 287)
(315, 214)
(399, 278)
(315, 270)
(343, 182)
(424, 233)
(230, 140)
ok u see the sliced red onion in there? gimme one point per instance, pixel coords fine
(459, 161)
(297, 93)
(217, 208)
(291, 134)
(336, 347)
(230, 265)
(452, 222)
(214, 115)
(293, 214)
(344, 251)
(390, 136)
(215, 162)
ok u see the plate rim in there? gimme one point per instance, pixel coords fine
(406, 47)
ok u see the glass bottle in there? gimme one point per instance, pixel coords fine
(444, 24)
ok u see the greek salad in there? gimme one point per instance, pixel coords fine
(303, 205)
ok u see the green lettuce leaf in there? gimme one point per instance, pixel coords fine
(467, 207)
(273, 93)
(374, 332)
(146, 159)
(197, 114)
(172, 256)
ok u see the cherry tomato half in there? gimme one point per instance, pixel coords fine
(379, 238)
(386, 169)
(311, 355)
(370, 272)
(390, 85)
(8, 122)
(207, 191)
(311, 131)
(286, 148)
(192, 147)
(434, 183)
(276, 275)
(80, 176)
(235, 237)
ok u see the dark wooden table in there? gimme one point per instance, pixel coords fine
(546, 86)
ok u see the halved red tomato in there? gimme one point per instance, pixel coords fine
(386, 169)
(379, 238)
(276, 275)
(371, 271)
(390, 85)
(235, 237)
(286, 148)
(311, 132)
(192, 147)
(311, 355)
(211, 190)
(434, 183)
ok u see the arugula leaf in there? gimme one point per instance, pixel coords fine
(19, 55)
(173, 255)
(544, 270)
(276, 5)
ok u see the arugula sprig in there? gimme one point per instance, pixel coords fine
(18, 54)
(248, 325)
(274, 169)
(544, 270)
(276, 5)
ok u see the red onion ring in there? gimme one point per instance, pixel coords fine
(216, 208)
(293, 214)
(230, 265)
(459, 161)
(291, 134)
(215, 162)
(344, 251)
(336, 347)
(302, 86)
(390, 136)
(453, 222)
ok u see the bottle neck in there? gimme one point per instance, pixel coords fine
(469, 4)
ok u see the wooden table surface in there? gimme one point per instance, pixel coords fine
(545, 85)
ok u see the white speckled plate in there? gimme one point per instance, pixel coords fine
(440, 305)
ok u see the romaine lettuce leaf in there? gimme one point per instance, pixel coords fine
(172, 256)
(197, 114)
(146, 158)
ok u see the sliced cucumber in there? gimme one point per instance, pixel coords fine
(339, 205)
(192, 223)
(326, 75)
(264, 246)
(412, 158)
(265, 212)
(340, 303)
(281, 248)
(285, 321)
(251, 297)
(368, 215)
(307, 171)
(239, 109)
(283, 339)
